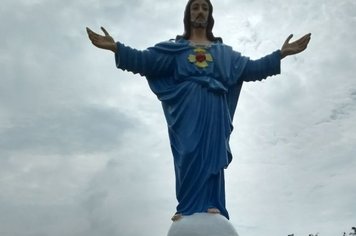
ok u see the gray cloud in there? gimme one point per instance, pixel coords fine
(84, 148)
(87, 129)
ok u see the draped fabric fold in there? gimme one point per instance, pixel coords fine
(199, 89)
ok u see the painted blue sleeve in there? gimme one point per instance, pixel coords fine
(262, 68)
(149, 62)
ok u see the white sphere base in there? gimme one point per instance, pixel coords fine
(202, 224)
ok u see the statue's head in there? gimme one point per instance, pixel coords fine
(191, 19)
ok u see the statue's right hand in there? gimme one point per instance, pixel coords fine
(100, 41)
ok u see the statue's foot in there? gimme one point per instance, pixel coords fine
(176, 217)
(179, 216)
(213, 211)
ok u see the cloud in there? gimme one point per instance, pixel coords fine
(84, 148)
(83, 130)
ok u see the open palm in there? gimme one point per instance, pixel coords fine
(102, 41)
(295, 47)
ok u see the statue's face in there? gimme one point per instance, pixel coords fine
(199, 13)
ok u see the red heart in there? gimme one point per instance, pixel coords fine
(200, 57)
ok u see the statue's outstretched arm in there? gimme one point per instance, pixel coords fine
(296, 46)
(102, 41)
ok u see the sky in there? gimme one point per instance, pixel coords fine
(84, 147)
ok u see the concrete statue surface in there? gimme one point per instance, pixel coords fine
(202, 224)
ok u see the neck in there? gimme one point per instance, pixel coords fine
(198, 35)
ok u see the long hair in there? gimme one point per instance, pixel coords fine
(209, 28)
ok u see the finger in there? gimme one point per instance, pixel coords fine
(104, 30)
(304, 45)
(304, 40)
(301, 40)
(306, 37)
(89, 32)
(289, 38)
(92, 35)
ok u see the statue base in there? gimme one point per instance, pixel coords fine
(202, 224)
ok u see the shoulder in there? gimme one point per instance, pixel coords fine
(221, 46)
(171, 46)
(224, 48)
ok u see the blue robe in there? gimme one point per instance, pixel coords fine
(199, 103)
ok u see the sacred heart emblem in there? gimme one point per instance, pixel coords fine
(201, 58)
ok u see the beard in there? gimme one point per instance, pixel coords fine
(197, 23)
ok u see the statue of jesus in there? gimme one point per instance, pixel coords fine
(198, 80)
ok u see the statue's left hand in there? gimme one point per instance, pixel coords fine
(296, 46)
